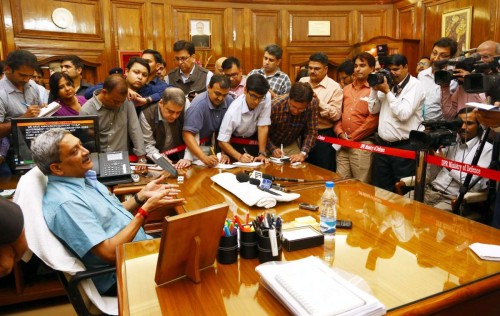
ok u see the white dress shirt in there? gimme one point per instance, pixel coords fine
(240, 121)
(450, 181)
(398, 114)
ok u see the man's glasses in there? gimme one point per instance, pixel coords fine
(234, 75)
(182, 59)
(256, 97)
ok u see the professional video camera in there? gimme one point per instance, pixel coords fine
(478, 81)
(461, 62)
(436, 134)
(376, 78)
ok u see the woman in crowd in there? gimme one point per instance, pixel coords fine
(63, 90)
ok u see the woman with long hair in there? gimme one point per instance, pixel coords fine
(63, 90)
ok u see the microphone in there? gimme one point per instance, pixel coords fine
(243, 177)
(273, 178)
(164, 164)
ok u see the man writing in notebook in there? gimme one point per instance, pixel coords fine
(80, 211)
(248, 117)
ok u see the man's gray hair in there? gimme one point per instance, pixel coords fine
(45, 149)
(175, 95)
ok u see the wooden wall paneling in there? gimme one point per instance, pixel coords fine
(238, 33)
(217, 17)
(128, 20)
(372, 24)
(406, 22)
(340, 28)
(158, 29)
(34, 19)
(267, 24)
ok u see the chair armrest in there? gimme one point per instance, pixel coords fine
(72, 290)
(475, 197)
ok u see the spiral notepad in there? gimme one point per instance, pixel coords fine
(309, 287)
(319, 294)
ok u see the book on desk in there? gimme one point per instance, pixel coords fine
(309, 287)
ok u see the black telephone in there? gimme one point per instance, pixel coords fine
(112, 167)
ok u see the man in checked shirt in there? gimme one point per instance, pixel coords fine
(293, 115)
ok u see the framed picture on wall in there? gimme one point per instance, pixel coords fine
(200, 33)
(457, 25)
(125, 57)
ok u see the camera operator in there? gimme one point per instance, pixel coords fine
(445, 187)
(452, 103)
(443, 48)
(400, 111)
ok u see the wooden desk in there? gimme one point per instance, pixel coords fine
(413, 257)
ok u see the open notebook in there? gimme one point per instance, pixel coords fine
(309, 287)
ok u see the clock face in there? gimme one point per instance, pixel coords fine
(62, 18)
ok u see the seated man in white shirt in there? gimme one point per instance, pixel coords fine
(248, 114)
(445, 187)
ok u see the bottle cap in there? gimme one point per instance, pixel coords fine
(329, 184)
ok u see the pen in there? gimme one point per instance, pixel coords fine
(25, 104)
(281, 150)
(213, 151)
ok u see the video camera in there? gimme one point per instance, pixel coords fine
(461, 62)
(376, 78)
(478, 82)
(436, 134)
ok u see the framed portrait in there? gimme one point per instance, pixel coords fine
(457, 25)
(200, 33)
(125, 57)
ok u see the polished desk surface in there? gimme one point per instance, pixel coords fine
(412, 256)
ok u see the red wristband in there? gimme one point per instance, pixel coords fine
(142, 213)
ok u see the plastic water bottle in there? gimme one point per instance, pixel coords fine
(328, 218)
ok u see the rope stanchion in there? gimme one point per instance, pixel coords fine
(410, 154)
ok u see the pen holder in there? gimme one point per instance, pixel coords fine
(248, 245)
(265, 251)
(228, 250)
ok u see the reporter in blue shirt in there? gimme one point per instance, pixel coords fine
(81, 211)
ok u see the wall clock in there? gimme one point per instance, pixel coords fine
(62, 18)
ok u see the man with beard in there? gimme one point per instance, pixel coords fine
(357, 123)
(445, 187)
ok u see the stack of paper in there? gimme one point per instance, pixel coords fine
(486, 251)
(309, 287)
(49, 109)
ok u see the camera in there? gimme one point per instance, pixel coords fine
(436, 134)
(446, 76)
(478, 82)
(376, 78)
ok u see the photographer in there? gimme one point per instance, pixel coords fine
(443, 49)
(400, 111)
(445, 187)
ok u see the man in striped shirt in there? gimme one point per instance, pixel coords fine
(278, 80)
(292, 116)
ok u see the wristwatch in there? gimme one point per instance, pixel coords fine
(142, 160)
(304, 153)
(263, 153)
